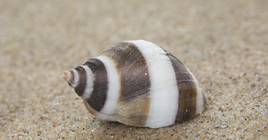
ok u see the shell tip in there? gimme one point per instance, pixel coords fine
(66, 76)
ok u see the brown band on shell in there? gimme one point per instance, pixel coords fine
(89, 108)
(132, 113)
(100, 87)
(80, 88)
(132, 67)
(187, 89)
(187, 101)
(72, 78)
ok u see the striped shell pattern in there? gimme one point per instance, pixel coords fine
(137, 83)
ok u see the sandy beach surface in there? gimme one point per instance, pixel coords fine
(223, 42)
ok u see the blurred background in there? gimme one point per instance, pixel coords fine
(224, 43)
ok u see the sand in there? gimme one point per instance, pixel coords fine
(224, 43)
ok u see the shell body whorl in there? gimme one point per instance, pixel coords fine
(138, 83)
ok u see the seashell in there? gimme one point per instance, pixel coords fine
(137, 83)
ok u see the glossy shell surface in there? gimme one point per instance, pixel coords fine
(137, 83)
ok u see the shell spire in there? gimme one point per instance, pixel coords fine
(81, 79)
(68, 77)
(138, 83)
